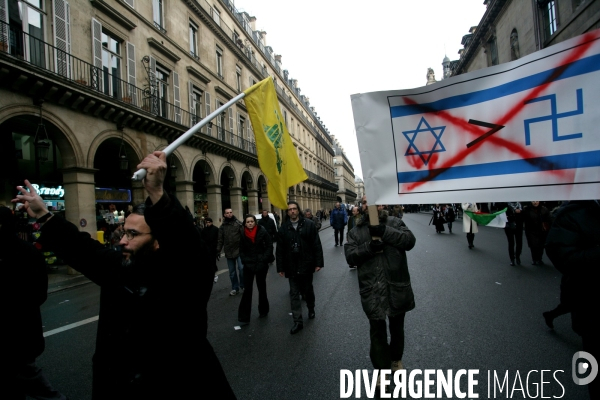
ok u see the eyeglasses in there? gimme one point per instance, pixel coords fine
(292, 209)
(130, 234)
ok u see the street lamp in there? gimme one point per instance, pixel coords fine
(206, 174)
(42, 145)
(173, 168)
(230, 181)
(249, 181)
(123, 161)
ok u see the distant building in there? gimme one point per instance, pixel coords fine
(344, 174)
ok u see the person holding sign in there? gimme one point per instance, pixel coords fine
(384, 282)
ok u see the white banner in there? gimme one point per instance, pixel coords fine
(524, 130)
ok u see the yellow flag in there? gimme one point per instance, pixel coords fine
(277, 156)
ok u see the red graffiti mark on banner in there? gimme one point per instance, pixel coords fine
(434, 170)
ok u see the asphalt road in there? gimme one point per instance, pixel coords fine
(473, 311)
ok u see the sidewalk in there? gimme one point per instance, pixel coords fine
(59, 279)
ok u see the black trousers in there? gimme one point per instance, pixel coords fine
(537, 252)
(514, 236)
(28, 379)
(245, 308)
(339, 233)
(301, 284)
(382, 354)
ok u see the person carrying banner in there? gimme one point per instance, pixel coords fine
(469, 225)
(384, 282)
(537, 224)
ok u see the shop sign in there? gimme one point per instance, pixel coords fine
(49, 191)
(105, 195)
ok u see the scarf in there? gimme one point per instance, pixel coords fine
(250, 233)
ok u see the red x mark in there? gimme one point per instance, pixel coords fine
(434, 170)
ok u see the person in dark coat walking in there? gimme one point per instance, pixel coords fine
(267, 222)
(438, 219)
(151, 340)
(573, 246)
(514, 231)
(384, 283)
(338, 218)
(210, 236)
(256, 250)
(308, 215)
(537, 224)
(24, 271)
(299, 254)
(449, 216)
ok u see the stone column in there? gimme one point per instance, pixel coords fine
(235, 196)
(266, 203)
(185, 194)
(80, 201)
(253, 206)
(213, 196)
(138, 193)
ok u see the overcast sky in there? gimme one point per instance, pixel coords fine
(338, 48)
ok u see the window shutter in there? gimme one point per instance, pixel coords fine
(193, 117)
(4, 18)
(132, 93)
(239, 126)
(231, 126)
(176, 97)
(96, 79)
(207, 102)
(153, 86)
(218, 117)
(62, 38)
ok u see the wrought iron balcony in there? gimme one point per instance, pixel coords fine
(43, 57)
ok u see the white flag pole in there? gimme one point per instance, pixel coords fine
(141, 173)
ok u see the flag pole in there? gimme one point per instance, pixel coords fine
(141, 173)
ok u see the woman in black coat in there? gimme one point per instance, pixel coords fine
(256, 251)
(438, 219)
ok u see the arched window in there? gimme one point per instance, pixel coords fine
(515, 54)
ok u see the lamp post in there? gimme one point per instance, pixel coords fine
(42, 145)
(123, 161)
(230, 181)
(249, 183)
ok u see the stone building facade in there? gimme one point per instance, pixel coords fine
(511, 29)
(105, 82)
(344, 175)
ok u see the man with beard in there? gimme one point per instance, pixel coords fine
(150, 341)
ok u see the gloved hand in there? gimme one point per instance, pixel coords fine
(377, 230)
(376, 246)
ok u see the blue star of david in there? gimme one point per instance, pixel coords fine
(412, 135)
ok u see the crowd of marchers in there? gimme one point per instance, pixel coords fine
(144, 327)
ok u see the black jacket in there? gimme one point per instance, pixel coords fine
(255, 256)
(383, 278)
(151, 339)
(210, 236)
(269, 226)
(24, 272)
(573, 246)
(310, 253)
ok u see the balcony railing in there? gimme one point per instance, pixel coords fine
(40, 54)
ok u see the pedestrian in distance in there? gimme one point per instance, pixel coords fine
(573, 246)
(230, 234)
(384, 283)
(151, 340)
(24, 271)
(338, 218)
(299, 254)
(267, 222)
(256, 252)
(309, 215)
(514, 231)
(449, 216)
(437, 219)
(536, 219)
(469, 225)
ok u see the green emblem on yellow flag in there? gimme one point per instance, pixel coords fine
(276, 153)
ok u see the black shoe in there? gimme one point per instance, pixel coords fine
(512, 262)
(336, 245)
(263, 315)
(296, 328)
(549, 320)
(243, 322)
(351, 266)
(518, 261)
(311, 314)
(534, 263)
